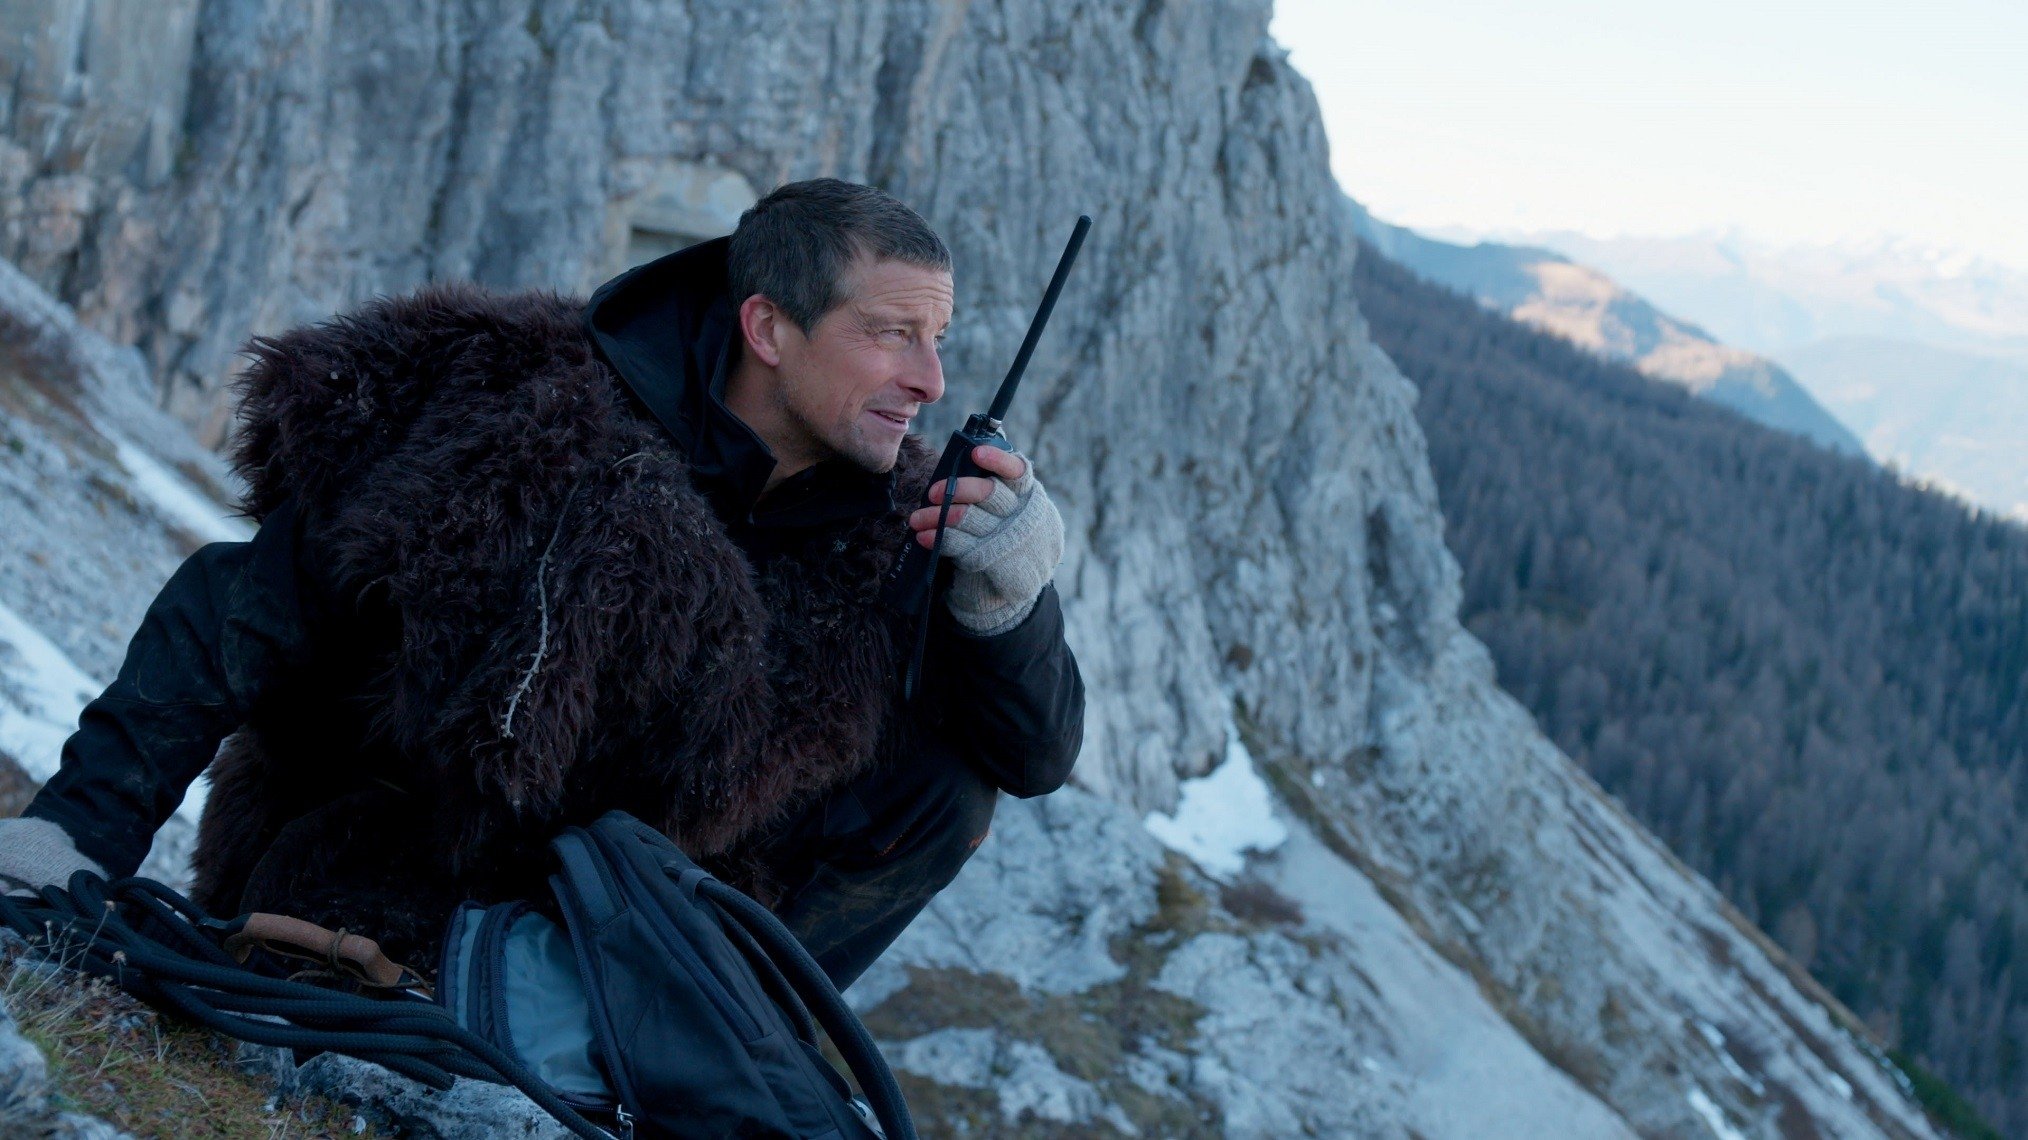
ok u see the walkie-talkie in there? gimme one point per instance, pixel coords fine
(914, 577)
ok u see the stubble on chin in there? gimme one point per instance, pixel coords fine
(875, 456)
(876, 462)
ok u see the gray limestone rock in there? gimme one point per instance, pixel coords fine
(1069, 874)
(1021, 1075)
(24, 1077)
(468, 1110)
(1344, 1023)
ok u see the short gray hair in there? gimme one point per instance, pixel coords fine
(794, 245)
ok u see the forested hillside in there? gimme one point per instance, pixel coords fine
(1804, 675)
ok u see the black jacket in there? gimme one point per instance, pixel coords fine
(435, 560)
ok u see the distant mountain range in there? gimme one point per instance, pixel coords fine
(1923, 355)
(1772, 299)
(1549, 291)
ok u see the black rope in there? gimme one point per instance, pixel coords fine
(775, 982)
(153, 943)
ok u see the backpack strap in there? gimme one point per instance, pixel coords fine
(777, 983)
(847, 1032)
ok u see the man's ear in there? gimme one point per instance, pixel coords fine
(762, 325)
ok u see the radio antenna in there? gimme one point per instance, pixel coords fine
(1005, 398)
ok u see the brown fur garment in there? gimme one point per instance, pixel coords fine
(577, 632)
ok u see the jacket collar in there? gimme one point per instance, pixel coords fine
(668, 328)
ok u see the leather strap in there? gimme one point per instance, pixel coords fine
(342, 954)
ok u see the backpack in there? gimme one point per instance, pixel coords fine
(665, 1001)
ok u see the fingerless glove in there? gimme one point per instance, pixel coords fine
(1005, 550)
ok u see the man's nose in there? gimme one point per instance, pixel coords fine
(924, 378)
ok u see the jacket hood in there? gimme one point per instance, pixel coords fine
(666, 327)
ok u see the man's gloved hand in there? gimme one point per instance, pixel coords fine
(36, 853)
(1003, 535)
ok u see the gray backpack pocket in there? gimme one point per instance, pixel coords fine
(508, 974)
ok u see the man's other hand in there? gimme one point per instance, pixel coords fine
(1004, 536)
(35, 853)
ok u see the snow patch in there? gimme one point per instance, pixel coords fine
(41, 691)
(178, 501)
(1714, 1116)
(1222, 815)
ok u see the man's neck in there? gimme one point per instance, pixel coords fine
(750, 395)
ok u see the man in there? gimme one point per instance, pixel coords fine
(523, 561)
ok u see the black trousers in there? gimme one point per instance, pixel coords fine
(863, 862)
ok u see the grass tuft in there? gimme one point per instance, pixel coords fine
(111, 1057)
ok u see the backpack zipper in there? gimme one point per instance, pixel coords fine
(493, 940)
(602, 1027)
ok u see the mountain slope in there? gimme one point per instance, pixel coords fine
(1807, 676)
(1583, 306)
(1460, 936)
(1952, 418)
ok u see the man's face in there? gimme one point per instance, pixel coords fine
(853, 384)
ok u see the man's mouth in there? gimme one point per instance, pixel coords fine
(895, 418)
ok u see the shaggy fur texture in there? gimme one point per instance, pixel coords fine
(577, 632)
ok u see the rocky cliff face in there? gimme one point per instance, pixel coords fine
(1459, 936)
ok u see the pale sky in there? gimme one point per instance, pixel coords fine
(1791, 122)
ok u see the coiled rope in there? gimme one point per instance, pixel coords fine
(158, 946)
